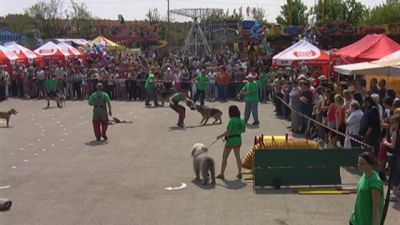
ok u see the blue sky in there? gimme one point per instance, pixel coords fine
(136, 9)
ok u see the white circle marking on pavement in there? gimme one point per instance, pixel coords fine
(183, 185)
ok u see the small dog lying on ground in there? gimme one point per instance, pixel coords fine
(207, 113)
(203, 164)
(115, 120)
(7, 115)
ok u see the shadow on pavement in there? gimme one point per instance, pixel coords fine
(199, 184)
(5, 126)
(96, 143)
(234, 184)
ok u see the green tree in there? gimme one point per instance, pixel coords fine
(46, 15)
(294, 12)
(384, 14)
(82, 20)
(350, 11)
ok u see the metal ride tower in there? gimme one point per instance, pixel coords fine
(195, 39)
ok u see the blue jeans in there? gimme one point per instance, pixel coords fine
(251, 107)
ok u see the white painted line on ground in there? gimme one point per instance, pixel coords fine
(52, 145)
(12, 153)
(25, 160)
(43, 150)
(36, 154)
(14, 167)
(39, 139)
(31, 144)
(61, 139)
(5, 187)
(21, 149)
(183, 185)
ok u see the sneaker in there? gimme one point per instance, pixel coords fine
(97, 138)
(181, 125)
(220, 176)
(256, 123)
(239, 176)
(105, 137)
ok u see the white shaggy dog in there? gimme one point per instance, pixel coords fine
(203, 163)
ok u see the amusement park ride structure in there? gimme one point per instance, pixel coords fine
(195, 42)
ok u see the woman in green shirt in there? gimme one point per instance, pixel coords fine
(369, 201)
(235, 128)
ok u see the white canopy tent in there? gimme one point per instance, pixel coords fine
(388, 65)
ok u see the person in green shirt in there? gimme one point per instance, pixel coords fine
(51, 87)
(100, 101)
(151, 90)
(235, 128)
(202, 84)
(369, 200)
(181, 110)
(250, 91)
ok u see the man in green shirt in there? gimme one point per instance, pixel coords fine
(100, 101)
(250, 91)
(174, 104)
(51, 86)
(202, 84)
(150, 90)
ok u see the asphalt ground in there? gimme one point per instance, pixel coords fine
(56, 174)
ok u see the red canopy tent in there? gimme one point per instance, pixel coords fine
(51, 51)
(7, 57)
(75, 53)
(303, 52)
(25, 55)
(371, 47)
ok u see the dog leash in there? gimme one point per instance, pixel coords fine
(208, 146)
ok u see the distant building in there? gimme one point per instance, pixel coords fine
(7, 35)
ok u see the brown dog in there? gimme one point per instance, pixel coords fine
(7, 115)
(207, 113)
